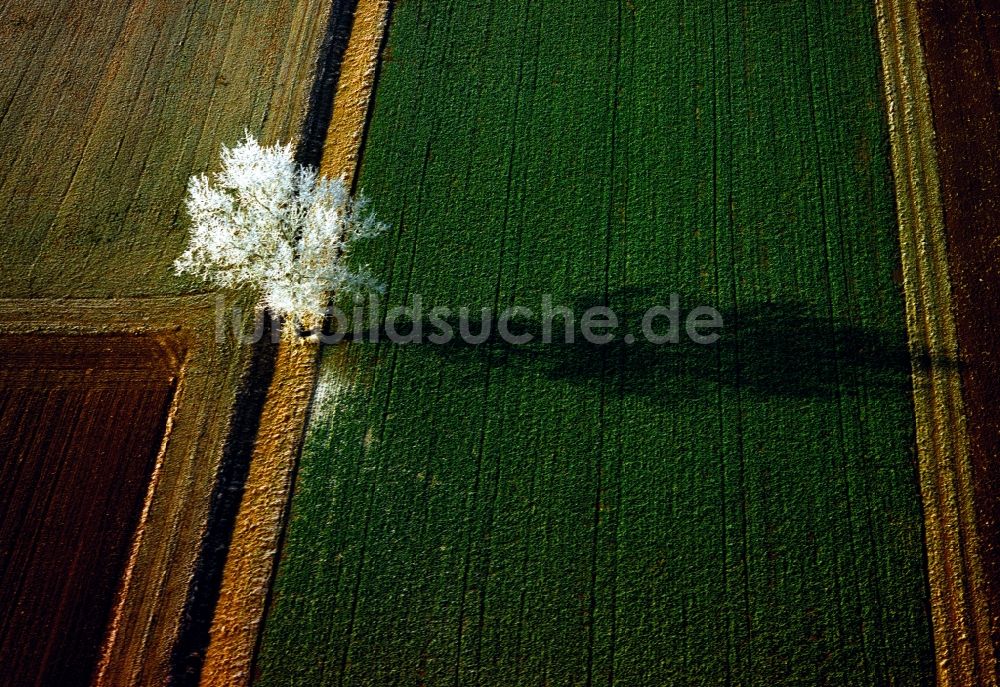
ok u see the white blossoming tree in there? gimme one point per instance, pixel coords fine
(265, 222)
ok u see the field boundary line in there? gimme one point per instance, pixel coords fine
(959, 609)
(258, 531)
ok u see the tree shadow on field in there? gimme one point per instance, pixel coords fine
(776, 349)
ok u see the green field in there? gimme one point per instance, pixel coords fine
(742, 513)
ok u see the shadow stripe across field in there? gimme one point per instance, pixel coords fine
(743, 513)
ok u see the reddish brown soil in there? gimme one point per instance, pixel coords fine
(81, 419)
(962, 42)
